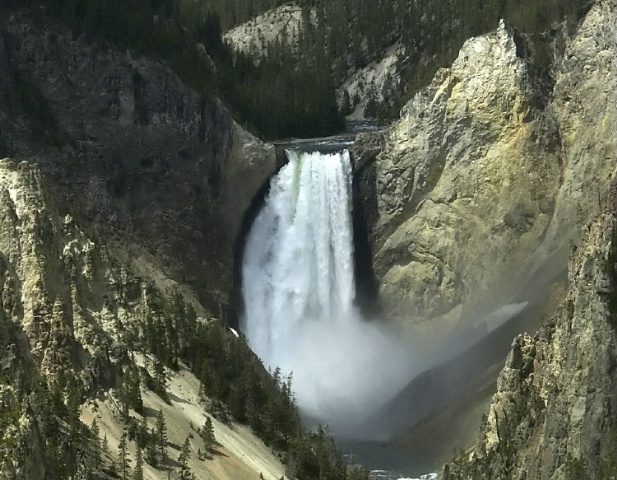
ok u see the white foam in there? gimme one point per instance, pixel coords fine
(299, 289)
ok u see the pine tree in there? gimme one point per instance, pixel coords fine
(138, 473)
(123, 453)
(105, 453)
(183, 459)
(160, 379)
(105, 446)
(161, 433)
(152, 451)
(130, 392)
(142, 435)
(207, 435)
(95, 456)
(346, 107)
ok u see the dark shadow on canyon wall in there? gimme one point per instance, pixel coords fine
(463, 363)
(364, 217)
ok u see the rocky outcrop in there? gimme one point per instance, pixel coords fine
(281, 25)
(70, 299)
(375, 83)
(72, 312)
(137, 155)
(554, 413)
(490, 174)
(63, 304)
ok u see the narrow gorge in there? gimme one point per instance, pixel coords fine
(436, 293)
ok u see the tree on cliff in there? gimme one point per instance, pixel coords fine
(161, 434)
(207, 435)
(183, 459)
(138, 473)
(123, 455)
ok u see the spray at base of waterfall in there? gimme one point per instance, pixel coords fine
(299, 289)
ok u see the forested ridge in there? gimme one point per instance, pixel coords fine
(234, 385)
(292, 91)
(279, 98)
(352, 33)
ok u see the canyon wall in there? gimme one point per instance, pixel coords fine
(74, 313)
(137, 156)
(475, 199)
(554, 413)
(477, 192)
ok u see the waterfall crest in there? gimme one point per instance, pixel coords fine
(299, 289)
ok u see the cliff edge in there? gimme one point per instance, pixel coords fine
(554, 413)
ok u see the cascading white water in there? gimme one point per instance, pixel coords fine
(299, 288)
(299, 256)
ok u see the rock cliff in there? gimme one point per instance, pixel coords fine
(554, 413)
(137, 155)
(490, 173)
(281, 24)
(123, 195)
(474, 199)
(73, 313)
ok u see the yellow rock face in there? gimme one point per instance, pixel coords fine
(486, 180)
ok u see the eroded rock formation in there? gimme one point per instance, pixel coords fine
(490, 174)
(73, 313)
(139, 157)
(554, 413)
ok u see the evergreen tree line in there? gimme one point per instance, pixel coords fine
(291, 92)
(40, 425)
(282, 94)
(151, 27)
(340, 36)
(231, 13)
(276, 98)
(234, 381)
(430, 34)
(232, 377)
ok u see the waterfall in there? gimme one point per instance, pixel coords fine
(299, 256)
(299, 289)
